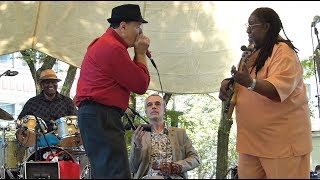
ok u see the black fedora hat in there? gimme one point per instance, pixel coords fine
(126, 12)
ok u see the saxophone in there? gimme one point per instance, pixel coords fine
(231, 102)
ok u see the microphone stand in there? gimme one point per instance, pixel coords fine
(130, 122)
(5, 73)
(135, 113)
(155, 66)
(38, 126)
(317, 60)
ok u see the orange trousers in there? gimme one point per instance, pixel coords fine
(252, 167)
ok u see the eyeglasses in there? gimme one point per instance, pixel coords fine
(251, 26)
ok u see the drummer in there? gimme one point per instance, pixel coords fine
(49, 105)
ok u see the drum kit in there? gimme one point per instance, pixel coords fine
(26, 140)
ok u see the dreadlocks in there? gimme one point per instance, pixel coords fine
(268, 15)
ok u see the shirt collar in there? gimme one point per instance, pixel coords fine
(164, 131)
(58, 96)
(110, 31)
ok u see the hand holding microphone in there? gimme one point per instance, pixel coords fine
(141, 44)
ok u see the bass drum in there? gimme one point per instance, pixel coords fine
(45, 154)
(68, 167)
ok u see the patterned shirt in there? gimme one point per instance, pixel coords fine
(48, 110)
(161, 150)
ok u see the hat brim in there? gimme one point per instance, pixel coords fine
(40, 80)
(110, 20)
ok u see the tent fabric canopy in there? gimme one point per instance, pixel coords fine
(193, 43)
(185, 43)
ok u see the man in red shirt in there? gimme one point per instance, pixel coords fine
(107, 77)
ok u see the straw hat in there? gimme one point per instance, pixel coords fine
(48, 74)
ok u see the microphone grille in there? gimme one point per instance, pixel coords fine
(243, 48)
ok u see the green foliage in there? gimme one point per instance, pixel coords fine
(202, 113)
(308, 67)
(173, 117)
(31, 56)
(128, 136)
(35, 58)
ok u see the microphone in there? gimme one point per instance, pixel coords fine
(11, 73)
(316, 19)
(130, 125)
(146, 127)
(149, 56)
(249, 48)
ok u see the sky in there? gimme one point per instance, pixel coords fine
(296, 17)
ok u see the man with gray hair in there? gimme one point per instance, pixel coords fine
(107, 77)
(165, 152)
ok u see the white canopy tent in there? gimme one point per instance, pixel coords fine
(194, 44)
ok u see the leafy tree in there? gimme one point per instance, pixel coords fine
(33, 57)
(201, 114)
(308, 66)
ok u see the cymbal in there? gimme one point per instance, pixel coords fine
(5, 115)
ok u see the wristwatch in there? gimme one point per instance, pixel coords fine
(251, 87)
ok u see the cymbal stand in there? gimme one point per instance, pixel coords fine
(4, 170)
(3, 145)
(86, 172)
(317, 64)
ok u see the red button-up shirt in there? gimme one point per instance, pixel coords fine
(108, 74)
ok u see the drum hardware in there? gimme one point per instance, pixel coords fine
(4, 144)
(68, 132)
(2, 172)
(5, 128)
(26, 132)
(86, 172)
(82, 159)
(10, 153)
(30, 128)
(10, 174)
(37, 128)
(49, 156)
(68, 121)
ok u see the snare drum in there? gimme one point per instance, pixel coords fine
(26, 133)
(68, 132)
(11, 153)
